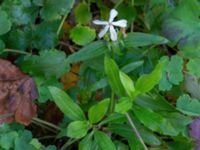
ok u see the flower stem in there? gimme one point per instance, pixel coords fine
(135, 131)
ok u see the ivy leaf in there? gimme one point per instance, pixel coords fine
(5, 23)
(182, 27)
(82, 13)
(52, 9)
(188, 105)
(46, 64)
(172, 73)
(82, 35)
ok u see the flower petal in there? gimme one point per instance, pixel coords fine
(103, 31)
(113, 14)
(113, 33)
(120, 23)
(99, 22)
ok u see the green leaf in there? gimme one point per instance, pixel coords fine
(88, 52)
(20, 12)
(77, 129)
(138, 39)
(181, 25)
(193, 67)
(146, 82)
(66, 104)
(188, 106)
(112, 72)
(124, 105)
(82, 35)
(154, 121)
(103, 141)
(46, 64)
(82, 13)
(7, 140)
(5, 23)
(127, 84)
(97, 112)
(52, 9)
(86, 143)
(132, 66)
(172, 73)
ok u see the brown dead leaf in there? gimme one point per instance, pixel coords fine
(71, 78)
(17, 92)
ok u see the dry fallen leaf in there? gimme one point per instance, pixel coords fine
(17, 92)
(71, 78)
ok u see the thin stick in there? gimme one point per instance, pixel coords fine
(136, 131)
(68, 143)
(16, 51)
(47, 123)
(61, 24)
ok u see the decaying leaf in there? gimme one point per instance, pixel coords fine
(71, 78)
(17, 92)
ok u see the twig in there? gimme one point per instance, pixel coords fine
(45, 127)
(135, 131)
(61, 24)
(16, 51)
(47, 123)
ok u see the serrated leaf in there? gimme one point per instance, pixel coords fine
(112, 72)
(82, 13)
(52, 9)
(46, 64)
(88, 52)
(66, 104)
(103, 141)
(5, 23)
(138, 39)
(97, 112)
(193, 67)
(188, 106)
(77, 129)
(82, 35)
(172, 73)
(181, 25)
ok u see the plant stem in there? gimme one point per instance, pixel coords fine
(16, 51)
(44, 126)
(112, 102)
(136, 131)
(47, 123)
(61, 24)
(68, 143)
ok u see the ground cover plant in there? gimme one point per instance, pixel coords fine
(99, 74)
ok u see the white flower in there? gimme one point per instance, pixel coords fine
(109, 25)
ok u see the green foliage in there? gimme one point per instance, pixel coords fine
(97, 112)
(46, 64)
(82, 35)
(172, 73)
(66, 104)
(101, 94)
(188, 106)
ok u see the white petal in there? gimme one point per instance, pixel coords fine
(103, 31)
(113, 33)
(99, 22)
(120, 23)
(113, 14)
